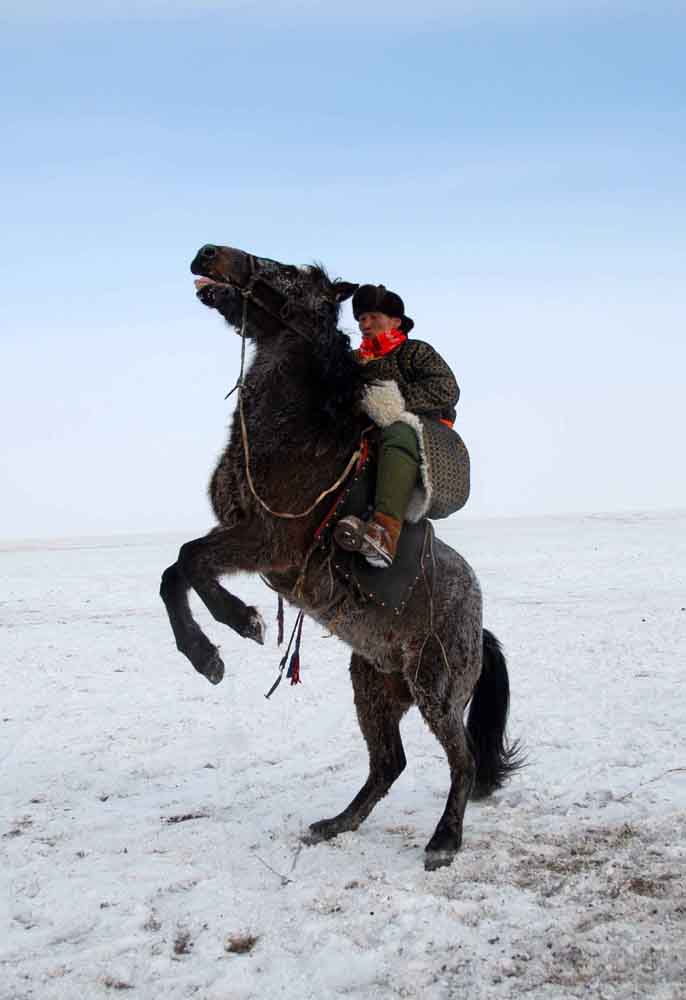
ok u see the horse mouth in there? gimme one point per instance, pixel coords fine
(209, 273)
(220, 264)
(204, 280)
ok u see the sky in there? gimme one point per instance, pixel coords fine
(516, 171)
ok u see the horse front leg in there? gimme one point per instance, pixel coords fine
(200, 562)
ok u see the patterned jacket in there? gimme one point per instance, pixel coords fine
(425, 380)
(415, 385)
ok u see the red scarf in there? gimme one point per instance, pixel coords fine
(372, 348)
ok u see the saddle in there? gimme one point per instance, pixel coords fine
(392, 586)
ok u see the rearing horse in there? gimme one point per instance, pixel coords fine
(296, 428)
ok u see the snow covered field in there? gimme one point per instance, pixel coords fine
(150, 824)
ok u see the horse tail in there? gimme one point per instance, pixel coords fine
(495, 757)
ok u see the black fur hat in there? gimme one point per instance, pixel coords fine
(377, 298)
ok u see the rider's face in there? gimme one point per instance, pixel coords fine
(371, 324)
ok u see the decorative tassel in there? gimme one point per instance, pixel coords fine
(294, 666)
(294, 669)
(279, 621)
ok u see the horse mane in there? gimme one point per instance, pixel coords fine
(335, 375)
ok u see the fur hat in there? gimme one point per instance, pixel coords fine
(377, 298)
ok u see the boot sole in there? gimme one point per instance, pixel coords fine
(375, 556)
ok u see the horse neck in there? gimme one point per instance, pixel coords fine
(296, 461)
(284, 384)
(274, 386)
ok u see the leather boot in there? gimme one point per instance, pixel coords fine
(376, 540)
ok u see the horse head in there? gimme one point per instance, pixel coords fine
(265, 296)
(288, 310)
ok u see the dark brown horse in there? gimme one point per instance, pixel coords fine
(294, 431)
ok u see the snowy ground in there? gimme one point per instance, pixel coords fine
(150, 824)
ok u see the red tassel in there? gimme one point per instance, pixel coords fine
(294, 666)
(294, 669)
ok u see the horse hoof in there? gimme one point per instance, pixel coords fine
(441, 849)
(438, 859)
(319, 832)
(212, 668)
(255, 628)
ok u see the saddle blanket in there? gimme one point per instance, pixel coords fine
(389, 587)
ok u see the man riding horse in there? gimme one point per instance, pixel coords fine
(297, 440)
(411, 396)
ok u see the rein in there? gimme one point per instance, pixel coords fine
(249, 295)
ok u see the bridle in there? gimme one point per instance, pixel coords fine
(249, 293)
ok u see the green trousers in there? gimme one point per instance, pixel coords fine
(398, 469)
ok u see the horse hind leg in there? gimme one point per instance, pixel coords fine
(447, 838)
(440, 698)
(381, 701)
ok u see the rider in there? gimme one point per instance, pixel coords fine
(428, 388)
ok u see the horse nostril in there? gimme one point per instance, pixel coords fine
(208, 252)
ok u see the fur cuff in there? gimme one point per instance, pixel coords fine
(383, 403)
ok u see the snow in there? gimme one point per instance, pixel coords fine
(150, 824)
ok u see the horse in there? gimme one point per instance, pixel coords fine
(294, 436)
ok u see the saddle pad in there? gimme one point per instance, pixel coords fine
(389, 587)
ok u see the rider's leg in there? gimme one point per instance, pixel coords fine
(398, 470)
(397, 476)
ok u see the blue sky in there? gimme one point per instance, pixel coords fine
(515, 171)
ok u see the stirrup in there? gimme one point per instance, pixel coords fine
(349, 533)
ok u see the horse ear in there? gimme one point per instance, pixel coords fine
(344, 290)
